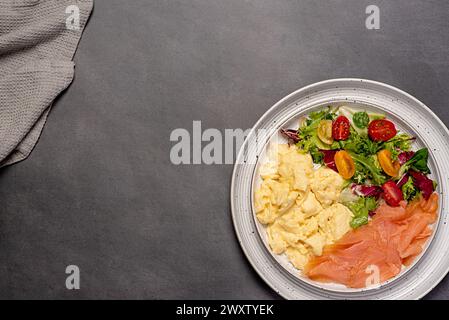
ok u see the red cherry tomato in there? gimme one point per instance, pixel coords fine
(381, 130)
(392, 194)
(340, 128)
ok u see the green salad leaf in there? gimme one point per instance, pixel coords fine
(399, 143)
(393, 151)
(368, 167)
(364, 152)
(418, 162)
(361, 209)
(314, 118)
(360, 144)
(317, 155)
(361, 174)
(361, 119)
(359, 221)
(409, 191)
(309, 141)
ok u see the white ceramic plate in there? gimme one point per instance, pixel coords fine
(409, 115)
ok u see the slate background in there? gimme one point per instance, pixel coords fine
(99, 191)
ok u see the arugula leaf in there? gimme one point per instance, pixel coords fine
(361, 174)
(360, 144)
(361, 209)
(370, 168)
(400, 143)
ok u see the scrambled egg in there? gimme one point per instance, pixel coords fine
(299, 205)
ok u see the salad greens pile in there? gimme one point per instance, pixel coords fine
(383, 162)
(308, 136)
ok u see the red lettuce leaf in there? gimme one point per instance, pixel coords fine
(329, 158)
(291, 134)
(405, 156)
(403, 180)
(367, 191)
(423, 183)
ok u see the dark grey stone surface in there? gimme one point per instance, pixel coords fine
(99, 190)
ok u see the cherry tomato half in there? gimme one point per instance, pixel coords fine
(388, 165)
(340, 128)
(381, 130)
(324, 131)
(392, 194)
(345, 164)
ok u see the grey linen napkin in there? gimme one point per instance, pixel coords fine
(36, 52)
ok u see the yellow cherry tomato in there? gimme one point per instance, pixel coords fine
(324, 131)
(345, 164)
(388, 165)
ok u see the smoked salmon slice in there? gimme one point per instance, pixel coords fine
(393, 238)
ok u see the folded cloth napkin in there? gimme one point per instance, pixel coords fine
(38, 39)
